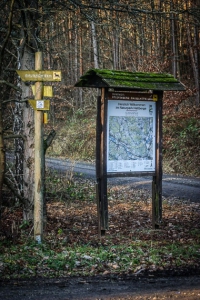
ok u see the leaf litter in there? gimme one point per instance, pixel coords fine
(72, 245)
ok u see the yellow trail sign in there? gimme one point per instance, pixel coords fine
(40, 104)
(47, 90)
(47, 75)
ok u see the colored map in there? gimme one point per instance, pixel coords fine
(130, 138)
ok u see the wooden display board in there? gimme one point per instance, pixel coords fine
(128, 144)
(129, 104)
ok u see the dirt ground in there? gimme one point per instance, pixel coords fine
(174, 284)
(104, 288)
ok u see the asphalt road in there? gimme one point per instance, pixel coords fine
(186, 188)
(103, 288)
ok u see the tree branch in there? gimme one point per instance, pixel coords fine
(8, 33)
(15, 136)
(11, 85)
(49, 140)
(14, 100)
(13, 190)
(9, 52)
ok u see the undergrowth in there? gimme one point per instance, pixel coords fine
(76, 139)
(72, 246)
(182, 144)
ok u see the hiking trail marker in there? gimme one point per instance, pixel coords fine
(39, 75)
(40, 107)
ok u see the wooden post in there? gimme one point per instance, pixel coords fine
(101, 161)
(98, 162)
(39, 158)
(157, 179)
(104, 198)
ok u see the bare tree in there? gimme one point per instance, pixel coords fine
(8, 30)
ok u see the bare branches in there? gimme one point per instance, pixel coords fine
(15, 136)
(9, 52)
(8, 33)
(13, 189)
(49, 140)
(13, 86)
(135, 8)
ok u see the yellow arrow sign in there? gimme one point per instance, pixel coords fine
(47, 90)
(40, 104)
(48, 75)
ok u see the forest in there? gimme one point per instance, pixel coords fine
(161, 36)
(74, 36)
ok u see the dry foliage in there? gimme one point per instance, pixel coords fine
(73, 246)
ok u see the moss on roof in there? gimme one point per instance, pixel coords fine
(99, 78)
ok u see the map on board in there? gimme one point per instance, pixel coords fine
(131, 136)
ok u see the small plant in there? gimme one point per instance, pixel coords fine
(60, 231)
(24, 225)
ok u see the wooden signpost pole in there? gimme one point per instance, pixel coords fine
(39, 157)
(39, 105)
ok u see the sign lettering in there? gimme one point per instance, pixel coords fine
(48, 75)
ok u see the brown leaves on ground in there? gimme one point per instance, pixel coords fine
(130, 224)
(75, 223)
(129, 219)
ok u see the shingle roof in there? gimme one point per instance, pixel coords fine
(98, 78)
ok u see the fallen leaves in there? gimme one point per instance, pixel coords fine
(72, 245)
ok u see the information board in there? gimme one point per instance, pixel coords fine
(131, 135)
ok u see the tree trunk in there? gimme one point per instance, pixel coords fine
(94, 43)
(18, 130)
(116, 41)
(174, 43)
(2, 158)
(80, 66)
(4, 43)
(194, 61)
(28, 123)
(196, 66)
(29, 43)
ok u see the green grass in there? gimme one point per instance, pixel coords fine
(31, 259)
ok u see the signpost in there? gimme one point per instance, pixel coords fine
(39, 158)
(39, 75)
(128, 131)
(39, 105)
(47, 90)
